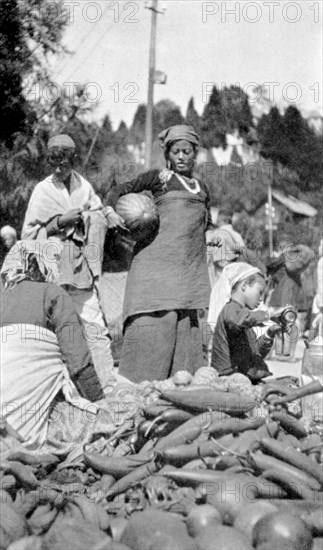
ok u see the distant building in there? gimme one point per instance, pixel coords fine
(286, 207)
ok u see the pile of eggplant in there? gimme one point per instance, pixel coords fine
(228, 465)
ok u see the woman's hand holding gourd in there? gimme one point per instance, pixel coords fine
(114, 220)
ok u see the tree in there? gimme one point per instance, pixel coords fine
(213, 122)
(13, 53)
(303, 150)
(237, 112)
(30, 31)
(192, 117)
(271, 135)
(288, 140)
(121, 137)
(137, 130)
(166, 113)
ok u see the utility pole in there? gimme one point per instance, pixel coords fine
(270, 220)
(151, 75)
(271, 224)
(89, 153)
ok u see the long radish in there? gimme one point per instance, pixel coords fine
(208, 399)
(156, 408)
(289, 483)
(117, 467)
(211, 482)
(264, 462)
(289, 423)
(181, 454)
(172, 416)
(193, 478)
(248, 440)
(293, 457)
(187, 432)
(128, 481)
(234, 425)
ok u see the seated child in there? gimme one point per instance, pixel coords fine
(236, 347)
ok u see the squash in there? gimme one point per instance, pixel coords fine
(139, 214)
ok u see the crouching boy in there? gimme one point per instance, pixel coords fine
(236, 345)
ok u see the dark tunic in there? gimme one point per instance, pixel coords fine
(236, 347)
(170, 272)
(167, 282)
(49, 306)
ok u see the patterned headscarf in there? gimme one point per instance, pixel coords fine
(175, 133)
(47, 254)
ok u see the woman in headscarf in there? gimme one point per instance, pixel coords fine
(168, 278)
(42, 342)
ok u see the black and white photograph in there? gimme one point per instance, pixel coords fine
(161, 272)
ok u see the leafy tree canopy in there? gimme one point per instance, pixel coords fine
(29, 31)
(287, 139)
(213, 121)
(192, 117)
(165, 113)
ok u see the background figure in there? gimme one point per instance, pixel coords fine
(285, 274)
(168, 281)
(224, 222)
(218, 257)
(317, 307)
(8, 237)
(308, 278)
(65, 206)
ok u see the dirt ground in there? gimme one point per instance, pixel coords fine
(113, 285)
(281, 366)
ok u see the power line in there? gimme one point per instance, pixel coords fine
(88, 55)
(84, 38)
(90, 51)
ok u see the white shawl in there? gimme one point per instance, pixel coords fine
(51, 198)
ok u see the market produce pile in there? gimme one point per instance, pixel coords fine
(200, 463)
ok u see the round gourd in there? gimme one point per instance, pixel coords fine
(140, 215)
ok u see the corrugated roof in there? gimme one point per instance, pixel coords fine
(295, 205)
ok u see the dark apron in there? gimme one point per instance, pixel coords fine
(171, 272)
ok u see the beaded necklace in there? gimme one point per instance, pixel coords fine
(196, 189)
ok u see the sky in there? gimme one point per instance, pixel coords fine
(199, 44)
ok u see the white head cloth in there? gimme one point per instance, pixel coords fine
(221, 292)
(8, 230)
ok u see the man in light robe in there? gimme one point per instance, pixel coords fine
(65, 209)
